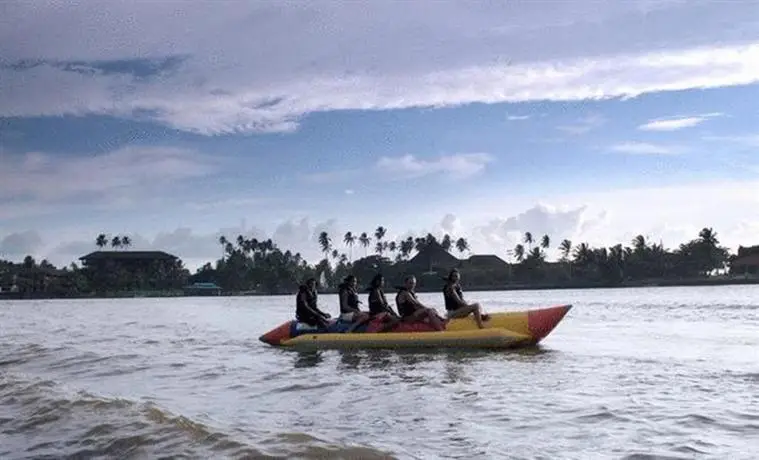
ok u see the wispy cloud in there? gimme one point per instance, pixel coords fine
(458, 166)
(518, 117)
(583, 125)
(644, 148)
(746, 140)
(228, 203)
(36, 180)
(226, 77)
(676, 123)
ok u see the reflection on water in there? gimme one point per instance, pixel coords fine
(628, 374)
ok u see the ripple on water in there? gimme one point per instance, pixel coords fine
(646, 373)
(89, 426)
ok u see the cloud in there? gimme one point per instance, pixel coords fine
(241, 202)
(583, 125)
(458, 166)
(676, 123)
(541, 219)
(450, 224)
(746, 140)
(644, 148)
(518, 117)
(119, 177)
(20, 244)
(491, 224)
(260, 67)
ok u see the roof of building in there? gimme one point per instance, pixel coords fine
(747, 250)
(434, 255)
(129, 255)
(749, 260)
(486, 259)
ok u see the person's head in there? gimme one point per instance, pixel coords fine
(454, 276)
(350, 281)
(378, 281)
(410, 282)
(311, 283)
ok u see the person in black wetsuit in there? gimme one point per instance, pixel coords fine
(306, 309)
(349, 301)
(455, 305)
(410, 309)
(378, 304)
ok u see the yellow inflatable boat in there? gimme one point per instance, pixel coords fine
(502, 330)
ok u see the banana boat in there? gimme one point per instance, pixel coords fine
(502, 330)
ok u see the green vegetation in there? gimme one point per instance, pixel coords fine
(260, 267)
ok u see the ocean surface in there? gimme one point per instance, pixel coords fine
(667, 373)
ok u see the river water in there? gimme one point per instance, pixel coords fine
(629, 374)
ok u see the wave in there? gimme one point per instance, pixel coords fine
(42, 419)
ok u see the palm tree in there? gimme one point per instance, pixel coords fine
(223, 243)
(126, 241)
(350, 239)
(528, 239)
(583, 255)
(392, 247)
(566, 248)
(101, 241)
(325, 242)
(365, 241)
(639, 244)
(379, 234)
(545, 242)
(462, 245)
(116, 242)
(708, 236)
(447, 243)
(519, 252)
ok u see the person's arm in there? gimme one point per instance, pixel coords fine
(456, 297)
(385, 304)
(413, 300)
(344, 302)
(304, 299)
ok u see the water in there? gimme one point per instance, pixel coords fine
(629, 374)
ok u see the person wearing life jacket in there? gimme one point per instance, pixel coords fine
(349, 301)
(378, 305)
(455, 305)
(411, 309)
(306, 308)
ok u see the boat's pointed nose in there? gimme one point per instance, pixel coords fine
(277, 335)
(542, 322)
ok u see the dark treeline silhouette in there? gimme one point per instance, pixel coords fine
(248, 265)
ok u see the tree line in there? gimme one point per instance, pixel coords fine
(250, 264)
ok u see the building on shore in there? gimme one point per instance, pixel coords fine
(478, 270)
(202, 289)
(135, 270)
(746, 262)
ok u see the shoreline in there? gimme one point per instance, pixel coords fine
(697, 282)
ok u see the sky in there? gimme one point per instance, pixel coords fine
(592, 121)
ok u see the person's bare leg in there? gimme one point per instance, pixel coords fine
(473, 310)
(435, 320)
(361, 319)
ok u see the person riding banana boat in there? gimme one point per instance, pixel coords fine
(456, 306)
(349, 304)
(306, 305)
(411, 309)
(378, 305)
